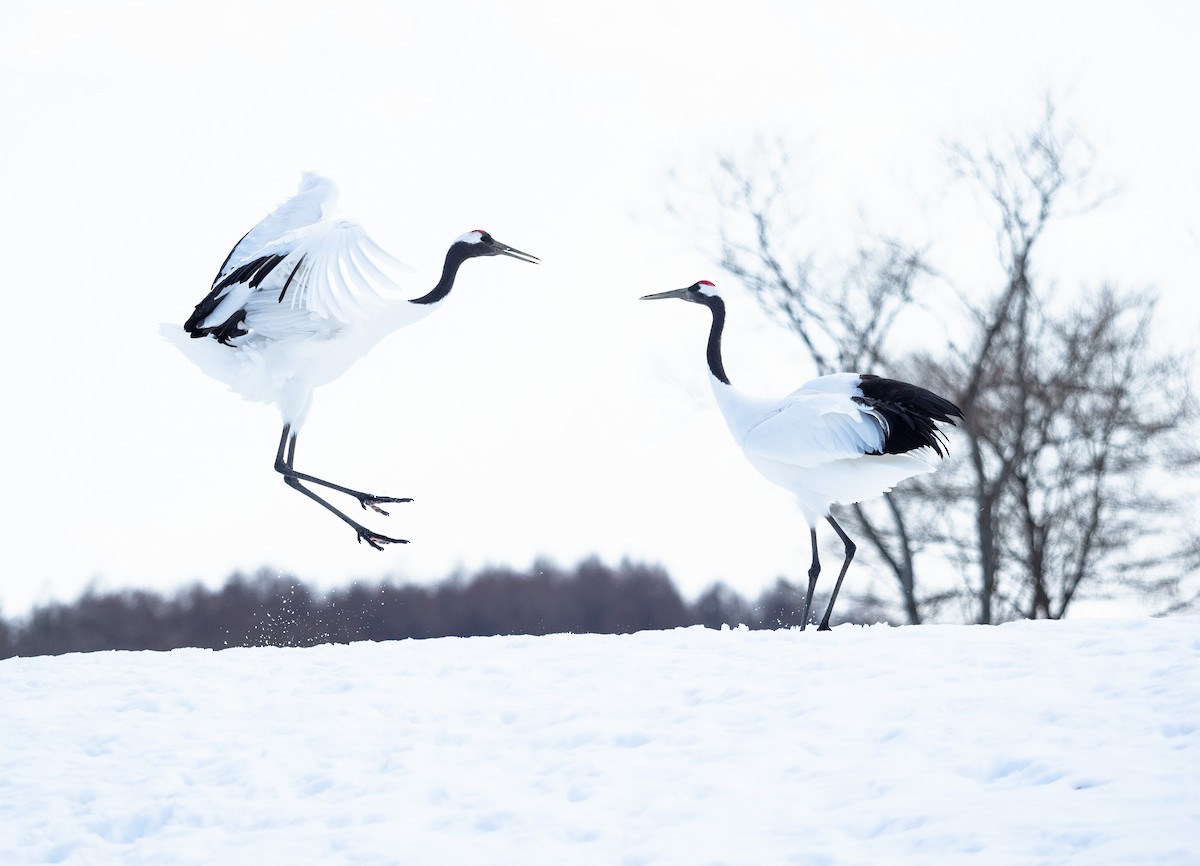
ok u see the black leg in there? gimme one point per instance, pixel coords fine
(814, 571)
(287, 468)
(287, 443)
(850, 548)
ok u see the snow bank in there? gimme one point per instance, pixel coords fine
(1030, 743)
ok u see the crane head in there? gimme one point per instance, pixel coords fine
(480, 243)
(696, 293)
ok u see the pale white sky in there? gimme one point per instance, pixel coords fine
(543, 411)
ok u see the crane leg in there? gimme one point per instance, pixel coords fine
(814, 572)
(285, 467)
(850, 548)
(284, 460)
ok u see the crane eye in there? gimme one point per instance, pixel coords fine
(486, 238)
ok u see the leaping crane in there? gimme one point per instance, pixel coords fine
(843, 438)
(297, 301)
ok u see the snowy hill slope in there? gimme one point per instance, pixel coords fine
(1030, 743)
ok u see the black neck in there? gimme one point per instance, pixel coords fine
(455, 256)
(717, 306)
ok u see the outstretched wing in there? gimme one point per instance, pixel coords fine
(296, 274)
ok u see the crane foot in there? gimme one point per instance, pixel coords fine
(373, 502)
(376, 540)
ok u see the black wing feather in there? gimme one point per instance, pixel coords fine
(910, 412)
(252, 273)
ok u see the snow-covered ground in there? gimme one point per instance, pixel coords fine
(1030, 743)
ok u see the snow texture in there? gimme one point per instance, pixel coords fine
(1031, 743)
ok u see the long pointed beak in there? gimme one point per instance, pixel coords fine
(506, 250)
(674, 293)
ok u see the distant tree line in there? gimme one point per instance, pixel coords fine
(268, 609)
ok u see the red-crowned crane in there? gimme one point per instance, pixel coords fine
(298, 300)
(843, 438)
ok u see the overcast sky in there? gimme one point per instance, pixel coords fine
(542, 411)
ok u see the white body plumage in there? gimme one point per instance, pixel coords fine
(812, 442)
(842, 438)
(298, 300)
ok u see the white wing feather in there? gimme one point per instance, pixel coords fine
(342, 274)
(329, 274)
(315, 201)
(811, 429)
(332, 275)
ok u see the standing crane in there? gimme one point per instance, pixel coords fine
(843, 438)
(298, 300)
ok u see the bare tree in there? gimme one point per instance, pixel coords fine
(1104, 410)
(1070, 409)
(1070, 436)
(1025, 186)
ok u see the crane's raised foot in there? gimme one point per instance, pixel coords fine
(366, 500)
(376, 540)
